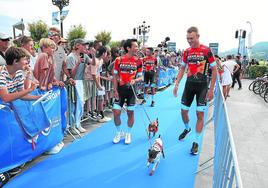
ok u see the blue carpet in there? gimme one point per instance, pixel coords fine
(94, 161)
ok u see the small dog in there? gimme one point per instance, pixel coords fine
(154, 154)
(153, 128)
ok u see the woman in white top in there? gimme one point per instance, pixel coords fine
(225, 77)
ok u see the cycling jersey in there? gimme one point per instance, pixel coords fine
(198, 61)
(150, 63)
(128, 68)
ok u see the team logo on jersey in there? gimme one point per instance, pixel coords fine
(128, 68)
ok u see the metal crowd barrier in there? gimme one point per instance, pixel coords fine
(226, 169)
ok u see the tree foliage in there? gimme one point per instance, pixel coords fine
(114, 44)
(104, 37)
(75, 32)
(38, 30)
(257, 71)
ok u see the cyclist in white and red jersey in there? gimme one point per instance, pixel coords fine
(199, 59)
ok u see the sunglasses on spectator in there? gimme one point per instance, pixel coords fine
(51, 34)
(4, 39)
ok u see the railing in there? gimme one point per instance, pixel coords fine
(226, 169)
(28, 129)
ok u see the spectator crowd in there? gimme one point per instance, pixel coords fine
(86, 70)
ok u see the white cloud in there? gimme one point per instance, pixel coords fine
(217, 20)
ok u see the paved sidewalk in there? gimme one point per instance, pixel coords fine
(248, 114)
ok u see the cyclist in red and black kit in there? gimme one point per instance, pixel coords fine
(150, 64)
(199, 59)
(127, 71)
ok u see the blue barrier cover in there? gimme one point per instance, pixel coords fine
(166, 77)
(43, 124)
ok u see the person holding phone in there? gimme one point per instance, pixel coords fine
(76, 61)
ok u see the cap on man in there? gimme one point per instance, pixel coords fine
(4, 44)
(80, 41)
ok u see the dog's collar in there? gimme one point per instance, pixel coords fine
(158, 145)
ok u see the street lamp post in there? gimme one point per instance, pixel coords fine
(61, 4)
(250, 40)
(240, 34)
(142, 30)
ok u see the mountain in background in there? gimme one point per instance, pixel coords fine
(259, 51)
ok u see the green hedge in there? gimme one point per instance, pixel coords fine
(257, 71)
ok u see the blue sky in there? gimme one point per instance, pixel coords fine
(217, 20)
(6, 23)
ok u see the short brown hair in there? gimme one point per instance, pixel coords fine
(192, 29)
(13, 53)
(24, 40)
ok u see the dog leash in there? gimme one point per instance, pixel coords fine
(137, 99)
(146, 130)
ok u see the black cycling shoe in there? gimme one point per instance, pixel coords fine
(184, 134)
(194, 150)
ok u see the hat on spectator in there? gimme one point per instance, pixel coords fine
(80, 41)
(4, 36)
(63, 40)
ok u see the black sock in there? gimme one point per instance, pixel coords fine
(102, 114)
